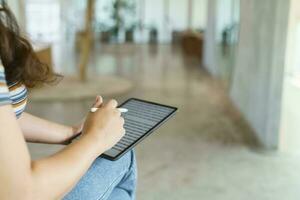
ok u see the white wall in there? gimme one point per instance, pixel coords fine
(224, 16)
(258, 74)
(210, 44)
(43, 20)
(290, 124)
(14, 6)
(18, 8)
(154, 15)
(199, 14)
(177, 18)
(178, 14)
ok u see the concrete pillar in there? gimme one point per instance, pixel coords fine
(166, 12)
(142, 14)
(166, 21)
(259, 68)
(210, 41)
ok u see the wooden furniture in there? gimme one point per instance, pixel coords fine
(192, 43)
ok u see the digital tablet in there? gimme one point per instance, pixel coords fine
(143, 117)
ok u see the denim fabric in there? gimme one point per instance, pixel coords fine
(107, 180)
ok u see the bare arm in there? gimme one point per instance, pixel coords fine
(51, 178)
(55, 175)
(39, 130)
(15, 168)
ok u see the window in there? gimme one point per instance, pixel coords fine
(43, 20)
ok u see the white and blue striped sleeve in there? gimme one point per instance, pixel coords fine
(4, 92)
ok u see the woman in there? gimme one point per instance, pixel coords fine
(76, 172)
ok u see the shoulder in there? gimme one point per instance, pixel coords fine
(4, 92)
(2, 75)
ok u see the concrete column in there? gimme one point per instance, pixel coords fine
(166, 21)
(190, 14)
(210, 41)
(259, 68)
(142, 13)
(166, 12)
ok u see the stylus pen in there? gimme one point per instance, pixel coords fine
(122, 110)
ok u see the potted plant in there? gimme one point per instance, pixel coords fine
(104, 30)
(121, 12)
(153, 38)
(129, 33)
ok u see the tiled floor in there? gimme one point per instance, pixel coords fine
(205, 152)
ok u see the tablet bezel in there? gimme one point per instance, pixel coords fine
(146, 134)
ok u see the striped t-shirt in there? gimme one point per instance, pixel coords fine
(14, 94)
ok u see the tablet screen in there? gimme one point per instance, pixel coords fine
(142, 118)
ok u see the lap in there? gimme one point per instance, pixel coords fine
(102, 177)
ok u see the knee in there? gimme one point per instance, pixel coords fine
(128, 161)
(125, 163)
(106, 174)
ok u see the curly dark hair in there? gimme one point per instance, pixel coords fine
(17, 55)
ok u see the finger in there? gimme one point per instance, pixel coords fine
(98, 102)
(117, 112)
(122, 121)
(112, 103)
(123, 132)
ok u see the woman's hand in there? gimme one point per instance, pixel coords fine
(75, 132)
(105, 126)
(76, 129)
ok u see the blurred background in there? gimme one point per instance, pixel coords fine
(231, 67)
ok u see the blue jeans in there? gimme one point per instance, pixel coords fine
(107, 180)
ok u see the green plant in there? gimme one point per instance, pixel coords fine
(122, 13)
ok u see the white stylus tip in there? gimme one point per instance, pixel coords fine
(94, 109)
(123, 110)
